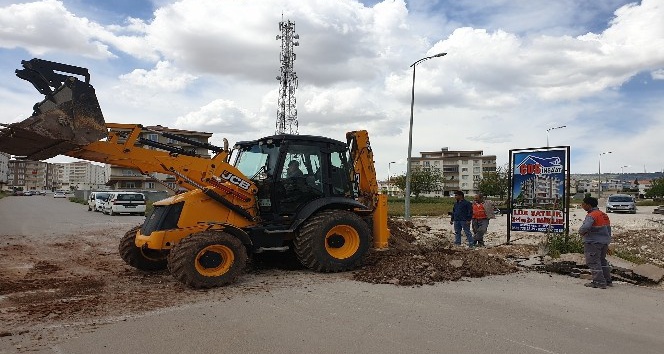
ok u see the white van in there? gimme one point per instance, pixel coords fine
(124, 202)
(97, 200)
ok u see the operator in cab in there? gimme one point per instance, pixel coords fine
(294, 170)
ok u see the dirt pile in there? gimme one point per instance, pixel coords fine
(417, 258)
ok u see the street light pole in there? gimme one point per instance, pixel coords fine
(410, 135)
(599, 173)
(550, 129)
(389, 176)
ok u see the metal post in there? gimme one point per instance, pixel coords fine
(599, 173)
(410, 136)
(550, 129)
(389, 176)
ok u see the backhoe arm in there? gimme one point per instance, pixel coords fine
(364, 175)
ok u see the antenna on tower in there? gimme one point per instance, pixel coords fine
(286, 111)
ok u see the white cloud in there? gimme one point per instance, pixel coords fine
(163, 77)
(657, 74)
(220, 116)
(47, 26)
(213, 64)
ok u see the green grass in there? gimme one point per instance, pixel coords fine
(560, 243)
(420, 207)
(649, 202)
(629, 256)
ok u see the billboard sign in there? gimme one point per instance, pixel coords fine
(538, 190)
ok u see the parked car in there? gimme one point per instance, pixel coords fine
(96, 200)
(28, 193)
(621, 203)
(59, 194)
(124, 203)
(659, 210)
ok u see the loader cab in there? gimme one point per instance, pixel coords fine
(291, 171)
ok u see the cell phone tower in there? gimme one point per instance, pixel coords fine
(287, 112)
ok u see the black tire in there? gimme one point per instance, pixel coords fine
(333, 241)
(138, 258)
(207, 259)
(89, 209)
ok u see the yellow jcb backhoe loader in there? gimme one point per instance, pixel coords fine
(239, 202)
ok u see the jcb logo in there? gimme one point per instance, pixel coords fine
(235, 180)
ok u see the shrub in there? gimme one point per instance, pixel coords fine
(560, 243)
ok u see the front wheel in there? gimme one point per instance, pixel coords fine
(207, 259)
(143, 259)
(333, 241)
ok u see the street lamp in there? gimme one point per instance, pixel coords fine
(599, 173)
(389, 176)
(410, 135)
(550, 129)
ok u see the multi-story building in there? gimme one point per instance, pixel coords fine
(123, 178)
(30, 175)
(80, 175)
(542, 189)
(461, 169)
(4, 171)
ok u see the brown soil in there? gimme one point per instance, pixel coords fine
(409, 262)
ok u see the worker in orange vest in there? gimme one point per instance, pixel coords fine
(482, 212)
(596, 232)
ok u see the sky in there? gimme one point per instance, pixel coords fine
(514, 70)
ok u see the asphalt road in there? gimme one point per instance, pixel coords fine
(521, 313)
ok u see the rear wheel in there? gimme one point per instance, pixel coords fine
(207, 259)
(143, 259)
(333, 241)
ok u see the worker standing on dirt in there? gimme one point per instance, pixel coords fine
(482, 212)
(596, 233)
(462, 214)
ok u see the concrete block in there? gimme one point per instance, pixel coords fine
(650, 271)
(619, 263)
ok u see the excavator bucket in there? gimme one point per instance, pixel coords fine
(68, 118)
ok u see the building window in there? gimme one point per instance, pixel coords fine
(464, 162)
(464, 169)
(476, 169)
(464, 177)
(153, 137)
(149, 185)
(476, 162)
(476, 177)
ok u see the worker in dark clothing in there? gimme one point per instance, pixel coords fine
(462, 214)
(596, 233)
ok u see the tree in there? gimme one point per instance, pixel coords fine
(656, 188)
(422, 180)
(494, 183)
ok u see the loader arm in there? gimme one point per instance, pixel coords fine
(364, 175)
(69, 121)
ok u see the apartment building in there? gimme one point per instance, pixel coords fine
(80, 175)
(123, 178)
(461, 169)
(30, 175)
(4, 171)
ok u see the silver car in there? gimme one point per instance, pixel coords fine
(621, 203)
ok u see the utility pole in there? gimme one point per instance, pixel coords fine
(286, 111)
